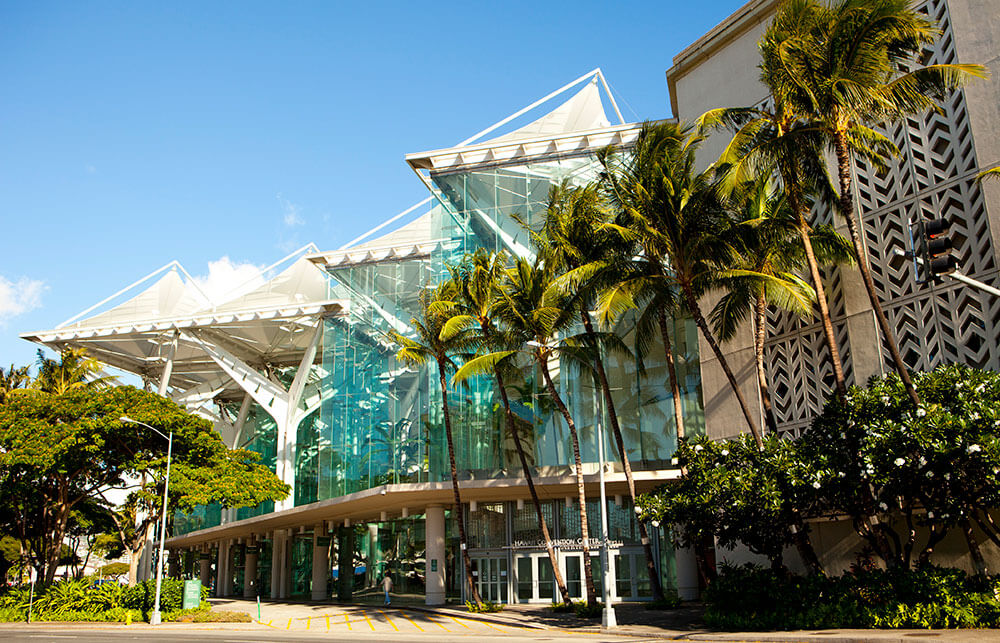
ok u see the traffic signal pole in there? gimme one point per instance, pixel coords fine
(975, 283)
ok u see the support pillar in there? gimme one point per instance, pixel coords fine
(205, 568)
(278, 548)
(250, 580)
(224, 584)
(173, 564)
(687, 573)
(435, 554)
(345, 563)
(321, 563)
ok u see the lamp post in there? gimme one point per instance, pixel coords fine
(608, 618)
(154, 618)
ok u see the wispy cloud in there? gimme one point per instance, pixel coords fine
(290, 213)
(90, 169)
(227, 279)
(18, 297)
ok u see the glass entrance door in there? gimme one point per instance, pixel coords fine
(573, 574)
(490, 576)
(534, 581)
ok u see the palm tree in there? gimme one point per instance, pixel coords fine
(776, 139)
(480, 279)
(530, 307)
(426, 346)
(845, 64)
(13, 379)
(578, 231)
(72, 371)
(771, 255)
(675, 213)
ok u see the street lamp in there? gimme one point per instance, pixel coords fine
(154, 619)
(608, 617)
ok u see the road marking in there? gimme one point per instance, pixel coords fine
(403, 614)
(289, 626)
(348, 621)
(436, 623)
(327, 622)
(365, 614)
(389, 620)
(459, 622)
(488, 625)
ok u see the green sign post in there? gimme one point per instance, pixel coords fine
(192, 594)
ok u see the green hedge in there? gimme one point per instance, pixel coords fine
(752, 598)
(80, 600)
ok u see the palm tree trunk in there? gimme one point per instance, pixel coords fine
(654, 579)
(675, 389)
(760, 334)
(556, 574)
(795, 202)
(543, 363)
(847, 210)
(706, 332)
(459, 512)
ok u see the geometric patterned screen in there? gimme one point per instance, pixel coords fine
(935, 323)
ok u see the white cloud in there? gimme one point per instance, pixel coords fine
(290, 213)
(227, 279)
(17, 298)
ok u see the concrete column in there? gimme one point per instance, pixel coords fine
(278, 563)
(205, 568)
(687, 573)
(173, 564)
(345, 563)
(224, 582)
(250, 580)
(321, 563)
(435, 555)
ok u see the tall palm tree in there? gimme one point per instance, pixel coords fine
(845, 64)
(12, 379)
(480, 279)
(426, 346)
(579, 231)
(675, 213)
(72, 371)
(530, 307)
(776, 139)
(767, 274)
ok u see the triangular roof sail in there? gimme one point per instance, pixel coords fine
(581, 112)
(169, 297)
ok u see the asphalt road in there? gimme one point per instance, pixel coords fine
(34, 634)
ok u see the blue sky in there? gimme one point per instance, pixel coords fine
(228, 133)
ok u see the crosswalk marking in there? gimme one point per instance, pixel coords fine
(403, 614)
(365, 614)
(460, 622)
(436, 623)
(327, 622)
(348, 621)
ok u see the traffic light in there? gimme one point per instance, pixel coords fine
(936, 248)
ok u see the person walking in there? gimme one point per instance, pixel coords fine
(387, 586)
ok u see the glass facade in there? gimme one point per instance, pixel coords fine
(377, 421)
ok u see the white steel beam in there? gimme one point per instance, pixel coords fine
(169, 366)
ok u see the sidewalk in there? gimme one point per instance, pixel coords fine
(634, 620)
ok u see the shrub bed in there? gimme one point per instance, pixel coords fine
(752, 598)
(80, 600)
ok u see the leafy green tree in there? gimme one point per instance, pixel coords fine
(675, 212)
(845, 67)
(936, 466)
(60, 450)
(480, 278)
(428, 345)
(734, 492)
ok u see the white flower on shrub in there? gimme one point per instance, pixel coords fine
(816, 485)
(974, 448)
(930, 514)
(930, 474)
(841, 474)
(725, 452)
(921, 412)
(698, 447)
(883, 506)
(899, 462)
